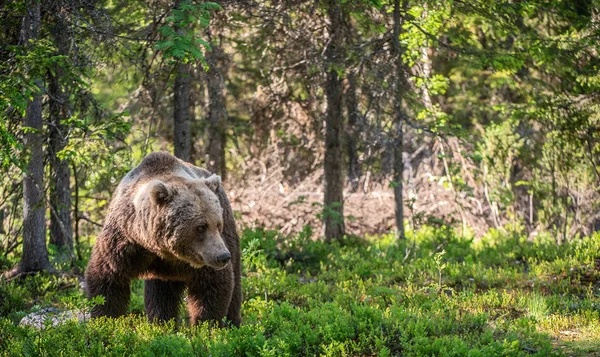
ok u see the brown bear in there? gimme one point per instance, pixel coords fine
(170, 223)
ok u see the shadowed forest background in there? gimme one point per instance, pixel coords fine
(390, 163)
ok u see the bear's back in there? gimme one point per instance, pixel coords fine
(155, 165)
(161, 164)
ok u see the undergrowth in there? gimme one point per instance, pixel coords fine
(434, 294)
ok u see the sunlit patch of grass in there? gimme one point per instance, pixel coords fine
(576, 335)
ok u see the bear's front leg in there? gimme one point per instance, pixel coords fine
(209, 295)
(162, 299)
(116, 291)
(109, 274)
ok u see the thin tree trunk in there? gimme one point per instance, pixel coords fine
(35, 254)
(76, 212)
(354, 170)
(333, 210)
(217, 115)
(61, 233)
(193, 102)
(400, 117)
(181, 119)
(182, 138)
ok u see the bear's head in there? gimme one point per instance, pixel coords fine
(182, 218)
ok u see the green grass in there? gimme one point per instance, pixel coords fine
(450, 296)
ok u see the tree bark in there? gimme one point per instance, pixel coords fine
(354, 170)
(181, 112)
(61, 233)
(217, 115)
(182, 138)
(400, 117)
(194, 93)
(35, 254)
(333, 210)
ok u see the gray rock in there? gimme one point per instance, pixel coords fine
(52, 317)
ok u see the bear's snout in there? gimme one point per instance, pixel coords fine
(224, 258)
(220, 260)
(214, 252)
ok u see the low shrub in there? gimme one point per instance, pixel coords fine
(434, 294)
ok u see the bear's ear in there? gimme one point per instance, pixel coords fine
(213, 182)
(160, 193)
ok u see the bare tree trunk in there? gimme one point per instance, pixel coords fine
(61, 233)
(194, 92)
(76, 212)
(333, 210)
(217, 115)
(35, 254)
(181, 113)
(354, 170)
(60, 192)
(400, 117)
(182, 138)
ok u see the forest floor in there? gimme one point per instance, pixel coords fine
(267, 201)
(434, 294)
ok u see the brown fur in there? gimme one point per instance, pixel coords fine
(169, 222)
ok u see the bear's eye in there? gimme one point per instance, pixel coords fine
(202, 228)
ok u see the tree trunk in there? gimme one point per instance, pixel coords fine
(181, 113)
(354, 170)
(217, 115)
(182, 138)
(400, 117)
(35, 254)
(333, 210)
(194, 94)
(61, 233)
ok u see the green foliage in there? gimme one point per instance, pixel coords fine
(98, 146)
(180, 40)
(500, 148)
(18, 84)
(10, 148)
(453, 296)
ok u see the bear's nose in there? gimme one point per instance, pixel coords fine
(224, 258)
